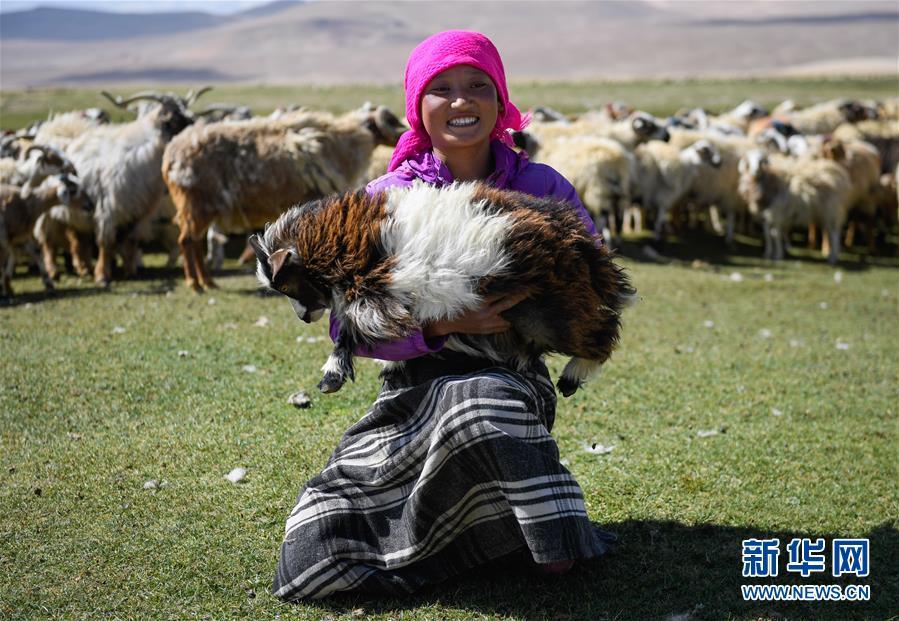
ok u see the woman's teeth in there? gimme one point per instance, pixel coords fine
(464, 121)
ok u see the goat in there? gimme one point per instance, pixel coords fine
(393, 262)
(120, 169)
(243, 174)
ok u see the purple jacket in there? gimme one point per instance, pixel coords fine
(513, 171)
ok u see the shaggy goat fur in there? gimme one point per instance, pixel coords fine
(391, 263)
(241, 175)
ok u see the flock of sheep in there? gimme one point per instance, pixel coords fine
(187, 179)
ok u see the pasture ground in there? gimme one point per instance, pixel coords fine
(661, 97)
(758, 406)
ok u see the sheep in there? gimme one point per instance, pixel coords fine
(784, 191)
(599, 169)
(883, 134)
(244, 174)
(666, 174)
(390, 263)
(862, 163)
(64, 227)
(636, 129)
(380, 160)
(736, 121)
(824, 118)
(33, 165)
(19, 209)
(716, 188)
(120, 168)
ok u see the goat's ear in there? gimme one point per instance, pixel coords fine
(277, 260)
(256, 245)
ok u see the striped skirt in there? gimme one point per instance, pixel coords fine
(452, 467)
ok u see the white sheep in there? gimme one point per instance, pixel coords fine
(666, 174)
(787, 191)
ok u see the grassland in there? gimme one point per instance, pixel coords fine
(789, 375)
(795, 371)
(663, 97)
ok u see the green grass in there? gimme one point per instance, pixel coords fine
(88, 415)
(662, 97)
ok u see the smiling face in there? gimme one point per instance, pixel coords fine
(459, 108)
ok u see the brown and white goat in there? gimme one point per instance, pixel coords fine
(391, 263)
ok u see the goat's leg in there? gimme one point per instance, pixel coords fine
(7, 265)
(32, 252)
(833, 253)
(48, 258)
(339, 365)
(203, 271)
(575, 373)
(190, 268)
(103, 269)
(812, 236)
(81, 259)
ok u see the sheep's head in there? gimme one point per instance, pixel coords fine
(282, 270)
(706, 153)
(854, 111)
(646, 128)
(749, 110)
(41, 161)
(833, 150)
(526, 142)
(383, 124)
(753, 163)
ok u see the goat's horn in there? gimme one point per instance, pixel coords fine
(192, 97)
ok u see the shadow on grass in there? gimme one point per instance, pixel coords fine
(660, 569)
(697, 246)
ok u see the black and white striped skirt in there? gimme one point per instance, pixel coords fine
(452, 467)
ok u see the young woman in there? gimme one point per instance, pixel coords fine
(453, 466)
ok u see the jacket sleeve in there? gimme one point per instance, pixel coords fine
(415, 344)
(560, 187)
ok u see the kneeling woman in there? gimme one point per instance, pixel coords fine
(453, 466)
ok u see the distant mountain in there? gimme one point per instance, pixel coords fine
(326, 42)
(55, 24)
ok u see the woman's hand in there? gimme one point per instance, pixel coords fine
(483, 320)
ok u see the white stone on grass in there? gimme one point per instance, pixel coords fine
(151, 484)
(769, 277)
(765, 333)
(838, 276)
(823, 305)
(708, 323)
(299, 399)
(598, 449)
(249, 368)
(842, 345)
(707, 433)
(118, 330)
(183, 353)
(776, 412)
(262, 322)
(736, 277)
(236, 475)
(211, 302)
(795, 343)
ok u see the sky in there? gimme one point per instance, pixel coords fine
(220, 7)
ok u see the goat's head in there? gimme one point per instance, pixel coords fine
(170, 114)
(833, 149)
(526, 142)
(647, 128)
(281, 269)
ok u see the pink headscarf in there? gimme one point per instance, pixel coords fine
(436, 54)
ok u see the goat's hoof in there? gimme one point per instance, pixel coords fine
(331, 382)
(210, 285)
(567, 386)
